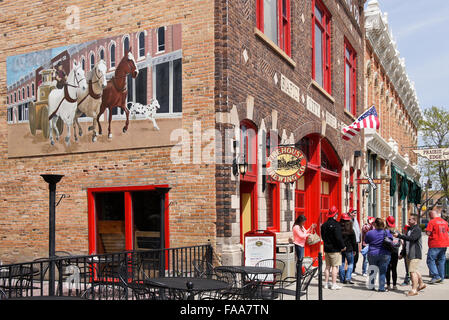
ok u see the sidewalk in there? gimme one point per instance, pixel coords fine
(359, 290)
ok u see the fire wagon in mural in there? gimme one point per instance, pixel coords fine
(38, 110)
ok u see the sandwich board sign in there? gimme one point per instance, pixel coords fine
(260, 245)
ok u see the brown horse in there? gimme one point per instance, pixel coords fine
(115, 93)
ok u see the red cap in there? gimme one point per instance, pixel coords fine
(391, 222)
(332, 212)
(371, 219)
(345, 216)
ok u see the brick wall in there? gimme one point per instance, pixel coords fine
(24, 195)
(249, 69)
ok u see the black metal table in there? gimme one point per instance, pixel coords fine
(252, 277)
(190, 285)
(251, 272)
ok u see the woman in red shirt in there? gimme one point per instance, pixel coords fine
(300, 235)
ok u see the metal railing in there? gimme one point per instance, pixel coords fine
(99, 276)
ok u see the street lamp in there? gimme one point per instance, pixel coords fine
(52, 180)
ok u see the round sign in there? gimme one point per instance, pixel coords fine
(286, 164)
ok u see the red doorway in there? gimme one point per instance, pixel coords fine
(319, 189)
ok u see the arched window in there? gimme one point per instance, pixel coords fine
(83, 63)
(23, 93)
(125, 44)
(161, 39)
(32, 89)
(142, 44)
(28, 91)
(112, 55)
(102, 54)
(92, 61)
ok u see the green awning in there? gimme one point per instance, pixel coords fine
(393, 181)
(403, 192)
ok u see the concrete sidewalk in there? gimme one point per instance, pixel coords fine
(359, 290)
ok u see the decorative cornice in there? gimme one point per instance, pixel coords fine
(384, 45)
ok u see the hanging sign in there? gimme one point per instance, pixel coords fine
(286, 164)
(438, 154)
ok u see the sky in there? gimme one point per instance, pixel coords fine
(421, 30)
(20, 65)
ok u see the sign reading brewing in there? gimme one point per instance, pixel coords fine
(286, 164)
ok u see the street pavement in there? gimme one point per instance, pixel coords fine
(359, 290)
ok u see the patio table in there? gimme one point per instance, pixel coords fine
(192, 286)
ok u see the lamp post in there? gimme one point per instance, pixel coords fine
(52, 180)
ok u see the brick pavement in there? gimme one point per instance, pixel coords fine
(359, 291)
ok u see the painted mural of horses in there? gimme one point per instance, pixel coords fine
(115, 93)
(62, 103)
(89, 100)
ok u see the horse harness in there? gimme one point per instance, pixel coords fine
(66, 96)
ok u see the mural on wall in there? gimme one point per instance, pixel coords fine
(114, 93)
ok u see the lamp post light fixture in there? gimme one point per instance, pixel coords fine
(239, 165)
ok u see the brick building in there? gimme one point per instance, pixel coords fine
(255, 74)
(389, 153)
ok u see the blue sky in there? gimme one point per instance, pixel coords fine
(21, 65)
(421, 30)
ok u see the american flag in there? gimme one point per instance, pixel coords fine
(368, 119)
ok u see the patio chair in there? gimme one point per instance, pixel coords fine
(306, 279)
(202, 268)
(271, 281)
(136, 288)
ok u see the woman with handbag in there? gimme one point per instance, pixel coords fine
(349, 239)
(378, 254)
(300, 235)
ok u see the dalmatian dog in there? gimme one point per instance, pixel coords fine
(149, 111)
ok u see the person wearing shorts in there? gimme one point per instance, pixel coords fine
(333, 246)
(412, 251)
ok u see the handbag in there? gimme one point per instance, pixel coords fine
(389, 244)
(313, 238)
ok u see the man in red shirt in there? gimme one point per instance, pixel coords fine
(437, 230)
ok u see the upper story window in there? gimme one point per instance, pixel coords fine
(102, 54)
(161, 39)
(273, 19)
(350, 79)
(92, 61)
(142, 44)
(112, 55)
(321, 45)
(32, 89)
(125, 44)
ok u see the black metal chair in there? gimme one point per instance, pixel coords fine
(271, 281)
(136, 288)
(202, 268)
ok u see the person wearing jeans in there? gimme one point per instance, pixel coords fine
(381, 261)
(378, 256)
(437, 230)
(349, 239)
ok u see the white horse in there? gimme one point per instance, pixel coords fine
(62, 103)
(89, 100)
(149, 111)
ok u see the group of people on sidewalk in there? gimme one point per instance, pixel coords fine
(381, 245)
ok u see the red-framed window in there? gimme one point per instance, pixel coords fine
(272, 194)
(273, 19)
(350, 78)
(248, 140)
(127, 218)
(321, 45)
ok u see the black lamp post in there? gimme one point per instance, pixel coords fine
(52, 180)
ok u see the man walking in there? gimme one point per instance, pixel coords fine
(437, 230)
(413, 253)
(358, 235)
(333, 246)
